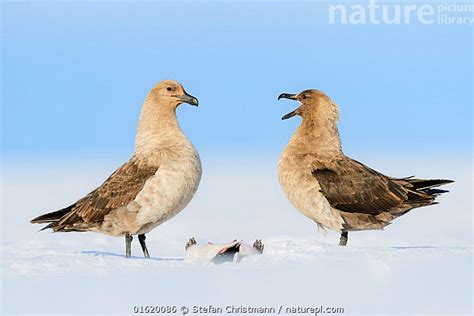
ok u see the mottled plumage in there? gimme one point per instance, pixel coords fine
(119, 190)
(154, 185)
(334, 190)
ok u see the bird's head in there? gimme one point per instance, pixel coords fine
(314, 105)
(170, 93)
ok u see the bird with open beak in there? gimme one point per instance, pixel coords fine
(335, 191)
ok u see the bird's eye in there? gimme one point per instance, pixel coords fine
(303, 96)
(169, 89)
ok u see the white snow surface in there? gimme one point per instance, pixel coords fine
(422, 263)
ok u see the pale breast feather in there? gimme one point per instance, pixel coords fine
(304, 193)
(168, 191)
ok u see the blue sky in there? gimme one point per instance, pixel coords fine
(74, 76)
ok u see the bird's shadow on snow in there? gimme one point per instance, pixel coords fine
(451, 248)
(111, 254)
(414, 247)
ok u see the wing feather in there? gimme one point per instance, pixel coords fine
(117, 191)
(352, 187)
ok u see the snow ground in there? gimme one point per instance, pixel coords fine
(420, 264)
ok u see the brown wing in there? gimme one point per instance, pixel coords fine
(118, 190)
(350, 186)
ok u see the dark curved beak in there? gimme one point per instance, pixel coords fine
(291, 97)
(287, 116)
(287, 96)
(187, 98)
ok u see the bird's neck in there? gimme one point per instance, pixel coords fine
(317, 136)
(157, 128)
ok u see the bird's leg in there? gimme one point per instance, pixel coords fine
(128, 245)
(344, 238)
(141, 239)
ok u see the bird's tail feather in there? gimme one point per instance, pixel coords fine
(50, 225)
(426, 184)
(435, 191)
(422, 192)
(51, 218)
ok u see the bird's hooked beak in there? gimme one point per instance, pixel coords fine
(189, 99)
(287, 96)
(291, 97)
